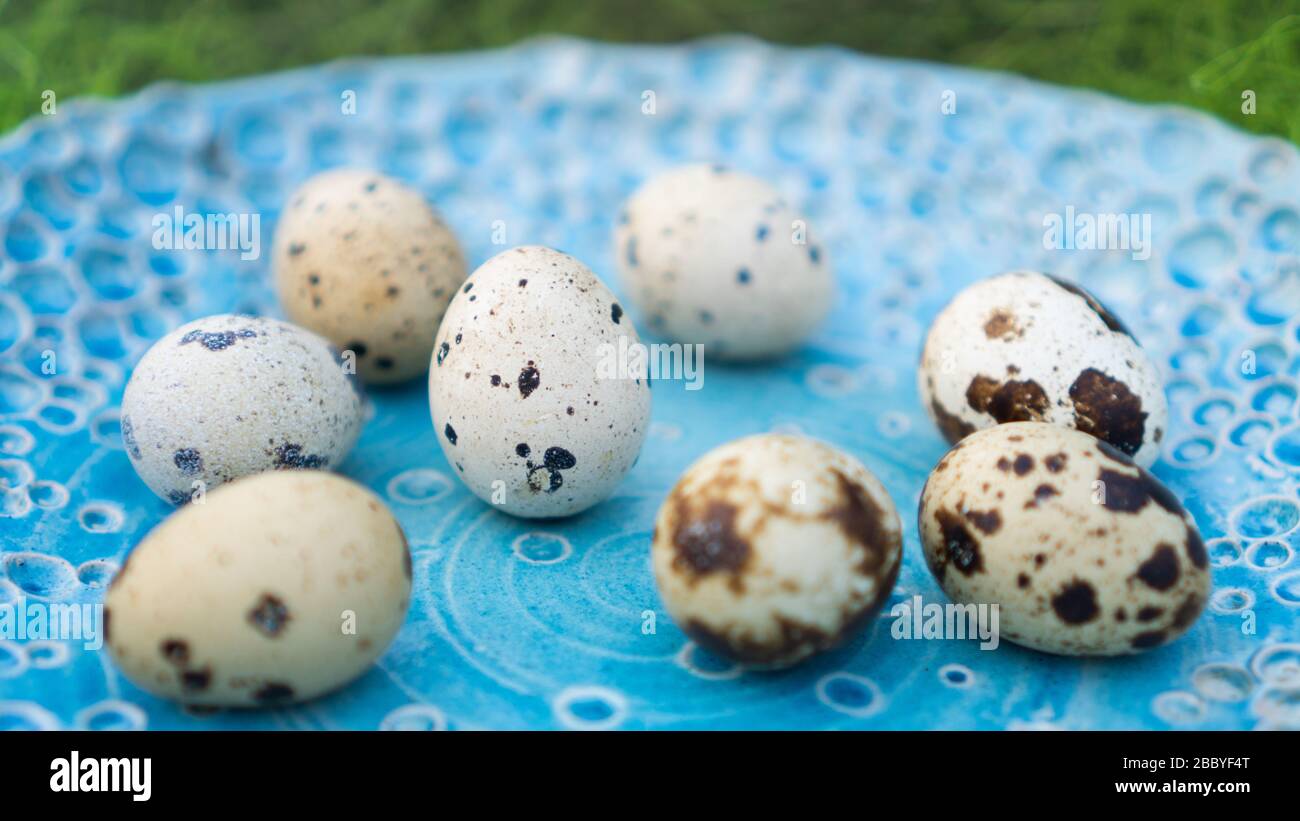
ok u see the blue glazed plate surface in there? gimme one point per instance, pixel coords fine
(518, 624)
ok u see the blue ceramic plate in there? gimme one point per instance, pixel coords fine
(921, 179)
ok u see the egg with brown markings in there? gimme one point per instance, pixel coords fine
(366, 262)
(1084, 552)
(274, 589)
(1027, 347)
(773, 548)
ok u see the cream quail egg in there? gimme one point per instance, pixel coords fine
(364, 261)
(716, 257)
(528, 400)
(1024, 347)
(274, 589)
(1083, 551)
(772, 548)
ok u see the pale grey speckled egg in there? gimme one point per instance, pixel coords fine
(364, 261)
(1084, 552)
(277, 588)
(1025, 346)
(227, 395)
(527, 399)
(772, 548)
(716, 257)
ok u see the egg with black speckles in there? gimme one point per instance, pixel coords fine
(227, 396)
(773, 548)
(367, 263)
(539, 398)
(716, 257)
(278, 588)
(1083, 551)
(1027, 347)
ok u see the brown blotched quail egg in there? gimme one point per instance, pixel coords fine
(1025, 347)
(364, 261)
(276, 588)
(528, 398)
(228, 395)
(772, 548)
(1084, 552)
(715, 257)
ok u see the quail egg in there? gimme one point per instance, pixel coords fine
(1026, 347)
(364, 261)
(533, 398)
(716, 257)
(226, 396)
(772, 548)
(275, 589)
(1083, 551)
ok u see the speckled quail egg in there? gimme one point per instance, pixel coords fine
(530, 399)
(772, 548)
(228, 395)
(1026, 347)
(715, 257)
(364, 261)
(275, 589)
(1084, 552)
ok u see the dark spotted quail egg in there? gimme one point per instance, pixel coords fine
(715, 257)
(362, 260)
(535, 397)
(1084, 552)
(274, 589)
(227, 396)
(1028, 347)
(772, 548)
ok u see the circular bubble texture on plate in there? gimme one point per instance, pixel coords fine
(919, 180)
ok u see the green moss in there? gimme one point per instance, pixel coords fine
(1202, 54)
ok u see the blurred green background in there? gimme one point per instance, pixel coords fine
(1202, 53)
